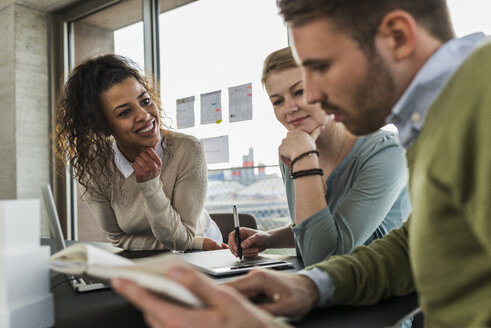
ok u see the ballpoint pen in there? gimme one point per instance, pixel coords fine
(237, 232)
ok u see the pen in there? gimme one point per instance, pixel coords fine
(237, 232)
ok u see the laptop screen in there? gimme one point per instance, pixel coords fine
(49, 204)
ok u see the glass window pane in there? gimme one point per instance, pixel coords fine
(220, 44)
(469, 17)
(116, 29)
(211, 45)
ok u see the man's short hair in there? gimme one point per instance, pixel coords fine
(360, 19)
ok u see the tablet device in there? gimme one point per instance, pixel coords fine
(222, 262)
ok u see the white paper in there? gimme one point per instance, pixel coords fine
(185, 112)
(240, 102)
(211, 107)
(216, 149)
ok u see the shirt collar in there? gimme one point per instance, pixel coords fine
(409, 113)
(124, 165)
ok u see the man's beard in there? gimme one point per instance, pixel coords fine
(372, 100)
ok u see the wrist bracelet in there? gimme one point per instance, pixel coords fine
(305, 173)
(307, 153)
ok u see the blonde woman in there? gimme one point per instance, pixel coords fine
(343, 191)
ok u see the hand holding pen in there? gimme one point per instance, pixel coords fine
(249, 242)
(237, 232)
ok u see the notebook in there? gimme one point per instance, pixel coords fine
(79, 284)
(221, 263)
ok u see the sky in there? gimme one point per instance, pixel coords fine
(210, 45)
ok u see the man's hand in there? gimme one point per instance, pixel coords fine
(224, 307)
(290, 294)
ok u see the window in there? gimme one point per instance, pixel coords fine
(117, 29)
(222, 44)
(219, 44)
(470, 16)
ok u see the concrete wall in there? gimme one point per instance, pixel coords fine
(24, 104)
(8, 188)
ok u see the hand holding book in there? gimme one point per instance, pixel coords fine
(79, 259)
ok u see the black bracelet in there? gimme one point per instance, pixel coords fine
(305, 173)
(307, 153)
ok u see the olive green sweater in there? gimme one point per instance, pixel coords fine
(444, 249)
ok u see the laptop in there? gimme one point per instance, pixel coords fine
(79, 284)
(222, 263)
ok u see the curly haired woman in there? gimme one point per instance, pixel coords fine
(145, 184)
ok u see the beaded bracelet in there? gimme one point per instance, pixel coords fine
(307, 153)
(304, 173)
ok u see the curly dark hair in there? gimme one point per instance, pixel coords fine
(81, 137)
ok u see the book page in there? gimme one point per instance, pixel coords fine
(80, 258)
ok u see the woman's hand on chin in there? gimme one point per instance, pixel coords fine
(147, 165)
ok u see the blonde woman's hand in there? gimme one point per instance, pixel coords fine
(297, 142)
(147, 165)
(253, 242)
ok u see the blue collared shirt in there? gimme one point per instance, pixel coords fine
(409, 114)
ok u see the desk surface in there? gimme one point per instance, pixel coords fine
(104, 308)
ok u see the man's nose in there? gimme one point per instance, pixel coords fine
(312, 89)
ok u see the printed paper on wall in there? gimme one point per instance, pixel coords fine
(240, 102)
(211, 107)
(185, 112)
(216, 149)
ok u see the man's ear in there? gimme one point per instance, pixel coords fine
(397, 32)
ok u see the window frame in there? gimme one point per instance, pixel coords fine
(61, 59)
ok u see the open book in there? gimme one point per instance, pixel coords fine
(84, 259)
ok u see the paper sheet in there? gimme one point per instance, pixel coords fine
(216, 149)
(240, 102)
(211, 107)
(185, 112)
